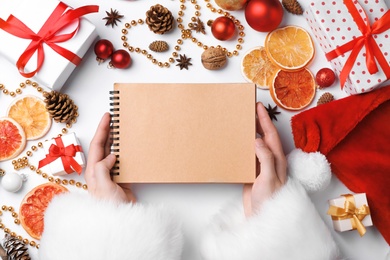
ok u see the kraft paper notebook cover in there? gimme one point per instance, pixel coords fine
(184, 133)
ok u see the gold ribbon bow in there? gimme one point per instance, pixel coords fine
(350, 212)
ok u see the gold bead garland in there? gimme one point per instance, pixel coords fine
(22, 85)
(6, 230)
(144, 51)
(186, 34)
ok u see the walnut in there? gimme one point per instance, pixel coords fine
(214, 58)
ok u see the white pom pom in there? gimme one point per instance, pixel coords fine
(312, 170)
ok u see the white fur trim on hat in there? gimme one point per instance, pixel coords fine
(311, 169)
(78, 226)
(287, 227)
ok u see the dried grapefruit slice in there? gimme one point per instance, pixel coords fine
(31, 113)
(290, 47)
(33, 206)
(257, 68)
(12, 139)
(293, 90)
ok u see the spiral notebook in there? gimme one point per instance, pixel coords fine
(183, 133)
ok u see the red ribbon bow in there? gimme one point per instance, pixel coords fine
(58, 20)
(66, 154)
(366, 39)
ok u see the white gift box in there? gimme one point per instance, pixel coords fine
(55, 69)
(333, 26)
(360, 200)
(54, 164)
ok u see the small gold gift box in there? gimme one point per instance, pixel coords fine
(350, 212)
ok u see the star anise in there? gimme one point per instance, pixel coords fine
(198, 26)
(272, 112)
(183, 62)
(112, 18)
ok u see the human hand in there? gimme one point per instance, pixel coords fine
(100, 161)
(272, 163)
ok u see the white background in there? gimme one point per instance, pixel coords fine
(89, 86)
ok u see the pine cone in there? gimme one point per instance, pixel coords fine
(159, 46)
(159, 19)
(325, 98)
(61, 107)
(15, 248)
(292, 6)
(3, 253)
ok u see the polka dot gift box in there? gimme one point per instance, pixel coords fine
(354, 36)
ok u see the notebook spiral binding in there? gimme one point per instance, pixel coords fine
(114, 129)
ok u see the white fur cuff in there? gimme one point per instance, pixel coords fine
(288, 227)
(78, 226)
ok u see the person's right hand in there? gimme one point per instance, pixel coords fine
(273, 164)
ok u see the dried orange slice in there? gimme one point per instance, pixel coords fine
(33, 206)
(293, 90)
(12, 139)
(31, 113)
(290, 47)
(257, 68)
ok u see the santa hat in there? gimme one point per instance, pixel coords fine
(354, 135)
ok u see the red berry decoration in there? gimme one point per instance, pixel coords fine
(120, 59)
(103, 50)
(223, 28)
(264, 15)
(325, 77)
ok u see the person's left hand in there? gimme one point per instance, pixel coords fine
(99, 163)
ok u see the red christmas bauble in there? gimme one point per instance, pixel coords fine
(264, 15)
(103, 50)
(325, 77)
(223, 28)
(120, 59)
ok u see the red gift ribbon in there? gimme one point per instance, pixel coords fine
(65, 153)
(58, 20)
(366, 39)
